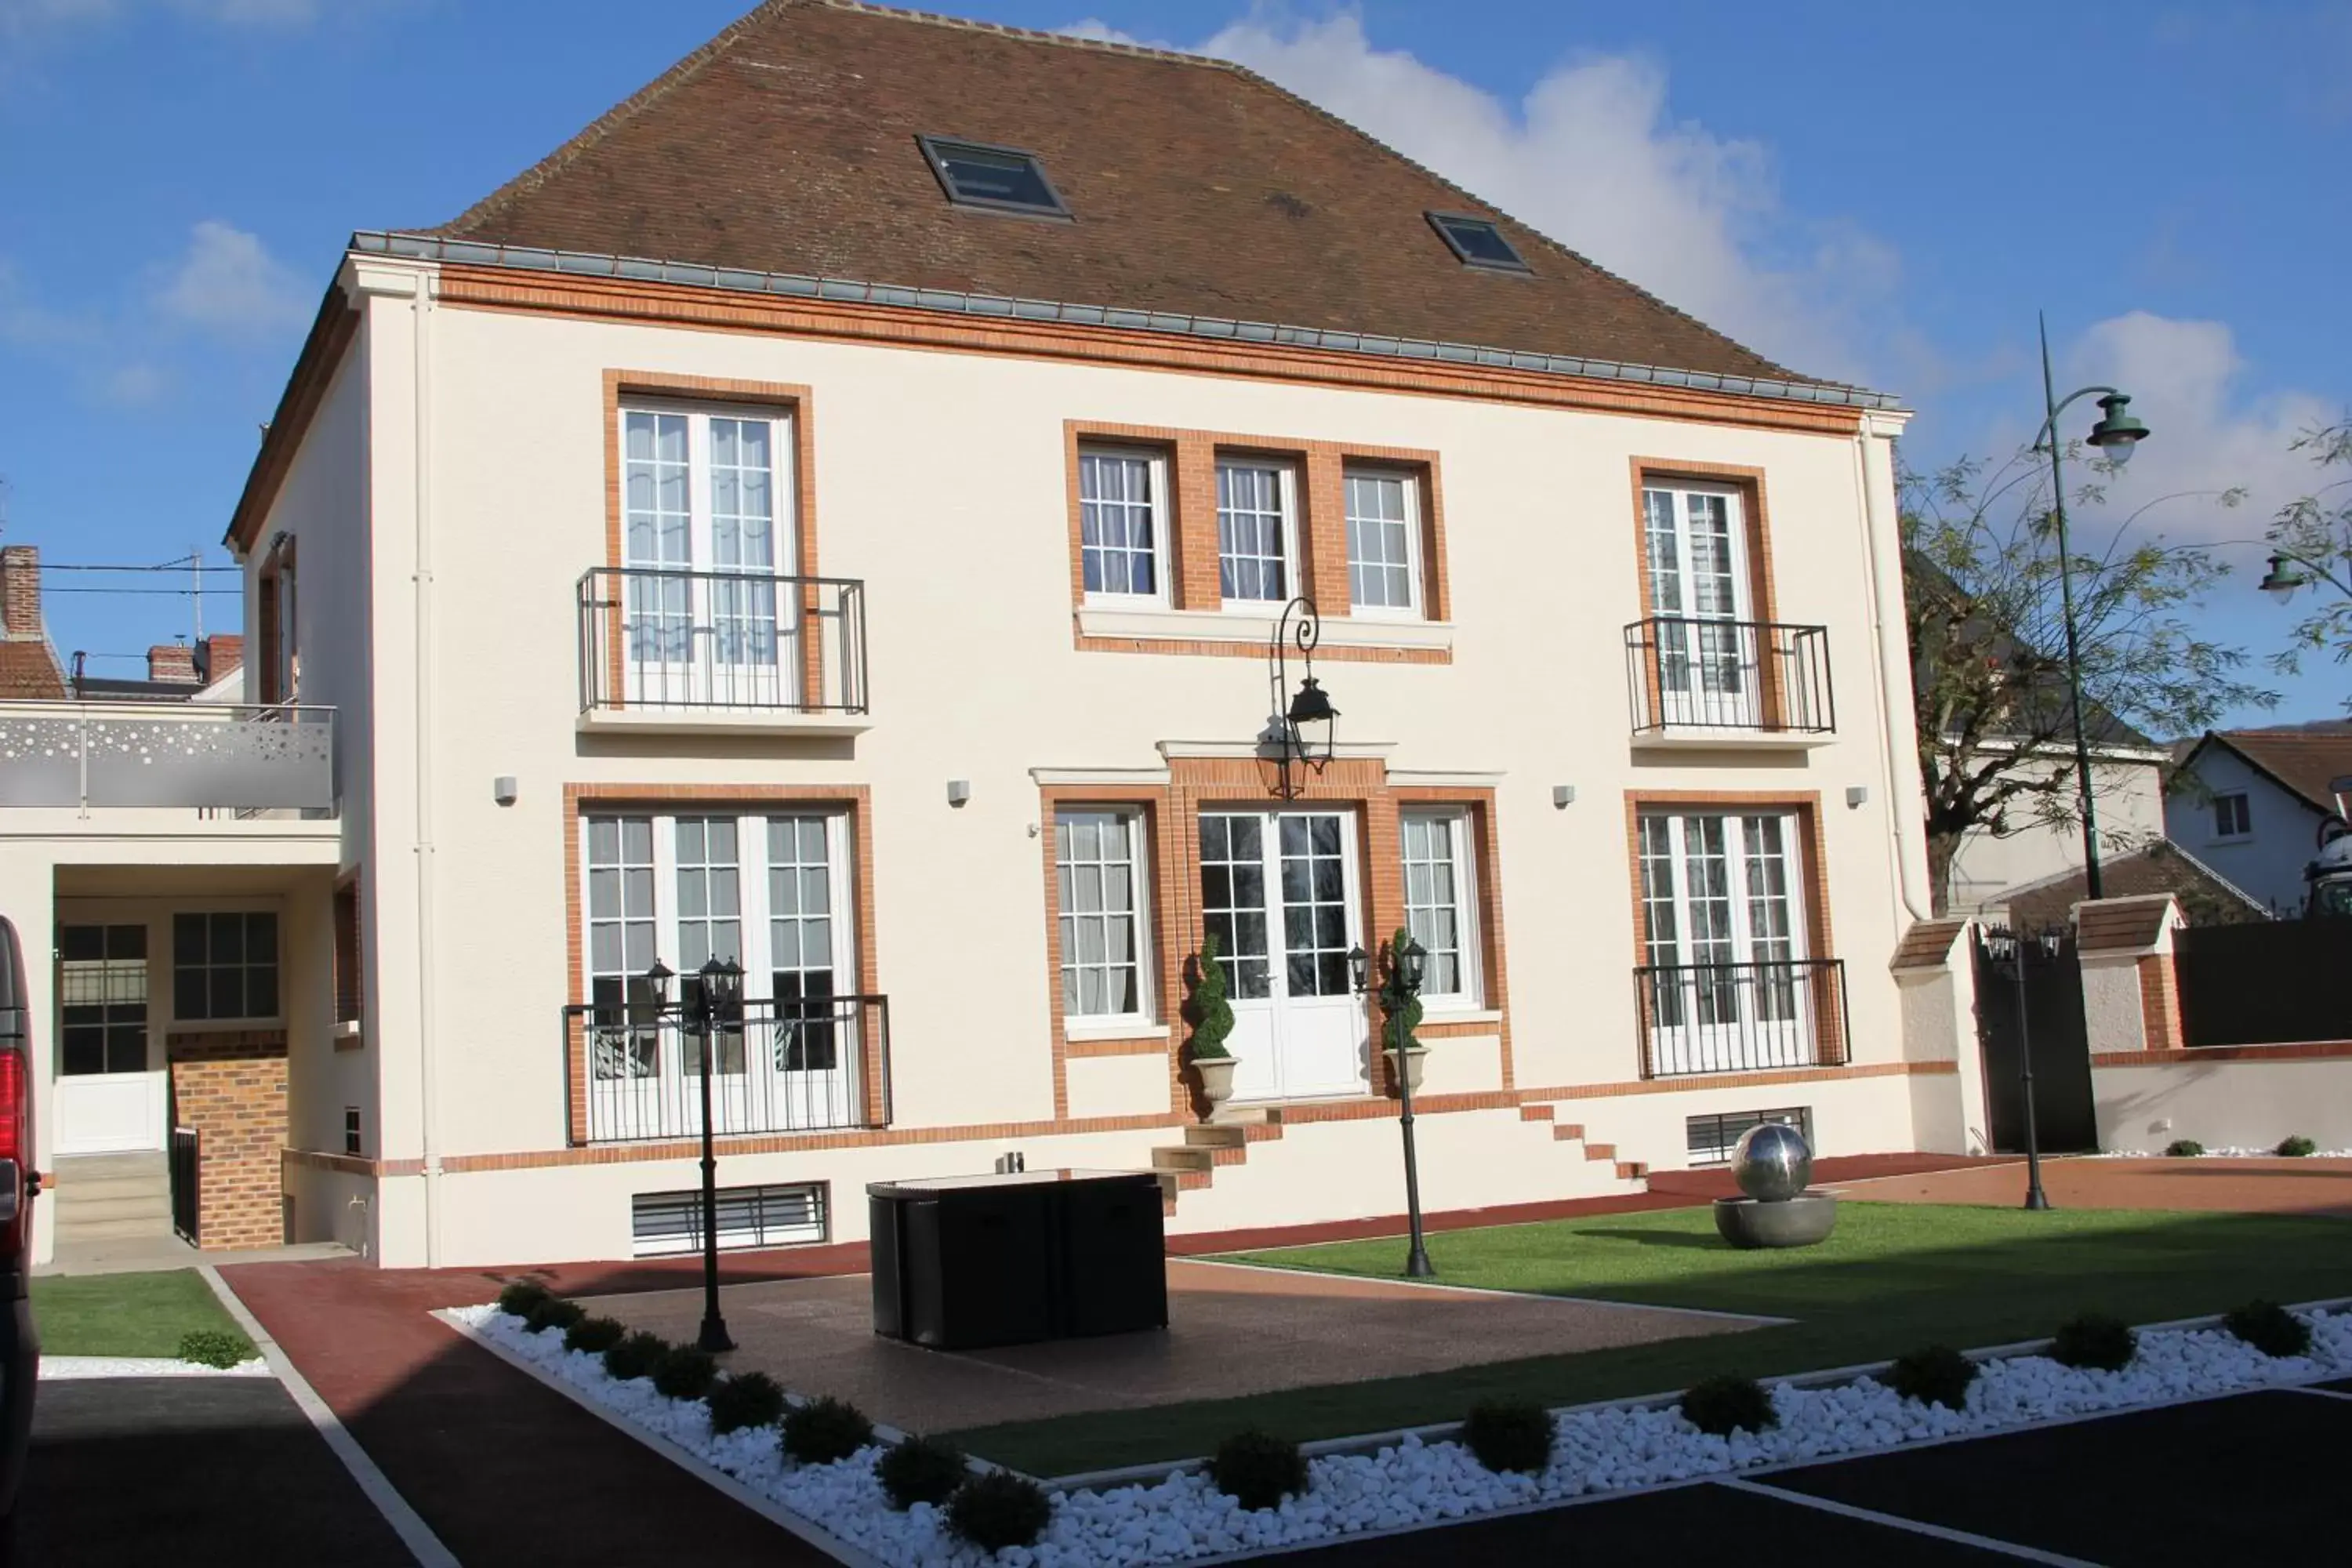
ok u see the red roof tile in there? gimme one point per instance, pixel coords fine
(29, 670)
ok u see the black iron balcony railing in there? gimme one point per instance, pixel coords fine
(1740, 1018)
(660, 638)
(816, 1066)
(218, 757)
(1760, 677)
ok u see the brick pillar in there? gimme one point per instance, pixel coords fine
(171, 661)
(218, 655)
(20, 591)
(2159, 1003)
(231, 1088)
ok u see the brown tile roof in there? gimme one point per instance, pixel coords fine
(2301, 763)
(1927, 944)
(2161, 868)
(787, 144)
(29, 670)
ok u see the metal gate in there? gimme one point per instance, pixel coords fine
(2263, 983)
(187, 1173)
(2052, 1018)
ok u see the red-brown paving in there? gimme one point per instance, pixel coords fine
(2234, 1186)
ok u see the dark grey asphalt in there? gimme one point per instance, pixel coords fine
(189, 1470)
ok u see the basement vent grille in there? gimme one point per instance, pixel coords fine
(663, 1225)
(1713, 1138)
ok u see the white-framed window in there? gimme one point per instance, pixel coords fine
(102, 999)
(1723, 932)
(224, 966)
(2234, 816)
(1102, 894)
(1441, 906)
(1384, 569)
(1258, 529)
(1123, 525)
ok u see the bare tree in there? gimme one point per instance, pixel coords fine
(2313, 534)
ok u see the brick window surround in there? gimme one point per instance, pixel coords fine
(1805, 806)
(1171, 815)
(787, 398)
(231, 1088)
(851, 800)
(1189, 514)
(1748, 483)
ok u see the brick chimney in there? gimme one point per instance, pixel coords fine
(219, 655)
(171, 661)
(20, 591)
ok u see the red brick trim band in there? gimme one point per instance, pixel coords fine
(2286, 1051)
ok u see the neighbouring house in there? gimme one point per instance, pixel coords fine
(2250, 804)
(841, 513)
(2202, 895)
(213, 670)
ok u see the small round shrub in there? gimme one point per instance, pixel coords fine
(1721, 1405)
(1939, 1375)
(746, 1399)
(518, 1296)
(825, 1431)
(2270, 1328)
(921, 1470)
(685, 1373)
(1257, 1469)
(555, 1312)
(1509, 1436)
(1000, 1509)
(214, 1347)
(594, 1335)
(2295, 1146)
(634, 1355)
(2183, 1149)
(2095, 1342)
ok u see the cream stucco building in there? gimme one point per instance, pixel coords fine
(882, 591)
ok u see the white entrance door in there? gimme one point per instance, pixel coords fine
(709, 625)
(1707, 649)
(111, 1098)
(1279, 890)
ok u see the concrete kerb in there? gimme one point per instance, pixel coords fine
(710, 1475)
(1441, 1431)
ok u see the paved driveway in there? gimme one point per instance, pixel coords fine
(138, 1471)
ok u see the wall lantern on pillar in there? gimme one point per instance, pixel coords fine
(1301, 730)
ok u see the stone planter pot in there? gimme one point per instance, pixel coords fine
(1413, 1065)
(1216, 1078)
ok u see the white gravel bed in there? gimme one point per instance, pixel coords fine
(2270, 1154)
(1604, 1449)
(75, 1368)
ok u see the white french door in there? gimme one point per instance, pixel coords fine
(1707, 652)
(769, 892)
(1280, 890)
(1725, 987)
(706, 538)
(110, 1096)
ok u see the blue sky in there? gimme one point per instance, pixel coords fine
(1886, 196)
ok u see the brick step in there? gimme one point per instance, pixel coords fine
(1182, 1157)
(1631, 1170)
(105, 1189)
(1568, 1131)
(112, 1229)
(155, 1207)
(1536, 1112)
(1601, 1151)
(70, 1169)
(1174, 1182)
(1216, 1137)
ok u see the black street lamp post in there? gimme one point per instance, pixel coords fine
(714, 1002)
(1408, 960)
(2035, 1198)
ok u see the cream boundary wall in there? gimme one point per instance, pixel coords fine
(471, 444)
(2224, 1104)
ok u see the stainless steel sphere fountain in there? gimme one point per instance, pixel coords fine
(1772, 1165)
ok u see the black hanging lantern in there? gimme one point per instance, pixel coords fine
(1304, 730)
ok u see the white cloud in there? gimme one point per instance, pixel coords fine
(2207, 432)
(131, 385)
(1594, 157)
(228, 283)
(25, 15)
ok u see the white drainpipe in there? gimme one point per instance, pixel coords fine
(422, 305)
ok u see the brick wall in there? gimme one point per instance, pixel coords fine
(231, 1088)
(20, 591)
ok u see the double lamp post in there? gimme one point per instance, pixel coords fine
(712, 1004)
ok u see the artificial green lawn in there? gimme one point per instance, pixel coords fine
(124, 1314)
(1892, 1278)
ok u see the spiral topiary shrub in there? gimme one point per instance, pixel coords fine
(1000, 1509)
(2270, 1328)
(825, 1431)
(214, 1347)
(1721, 1405)
(685, 1373)
(1937, 1374)
(594, 1335)
(634, 1355)
(1509, 1436)
(2183, 1149)
(2295, 1146)
(747, 1399)
(921, 1470)
(2096, 1343)
(518, 1296)
(555, 1312)
(1257, 1469)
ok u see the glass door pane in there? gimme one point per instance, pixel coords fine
(749, 663)
(1313, 908)
(658, 602)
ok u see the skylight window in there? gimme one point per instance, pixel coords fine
(974, 175)
(1476, 242)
